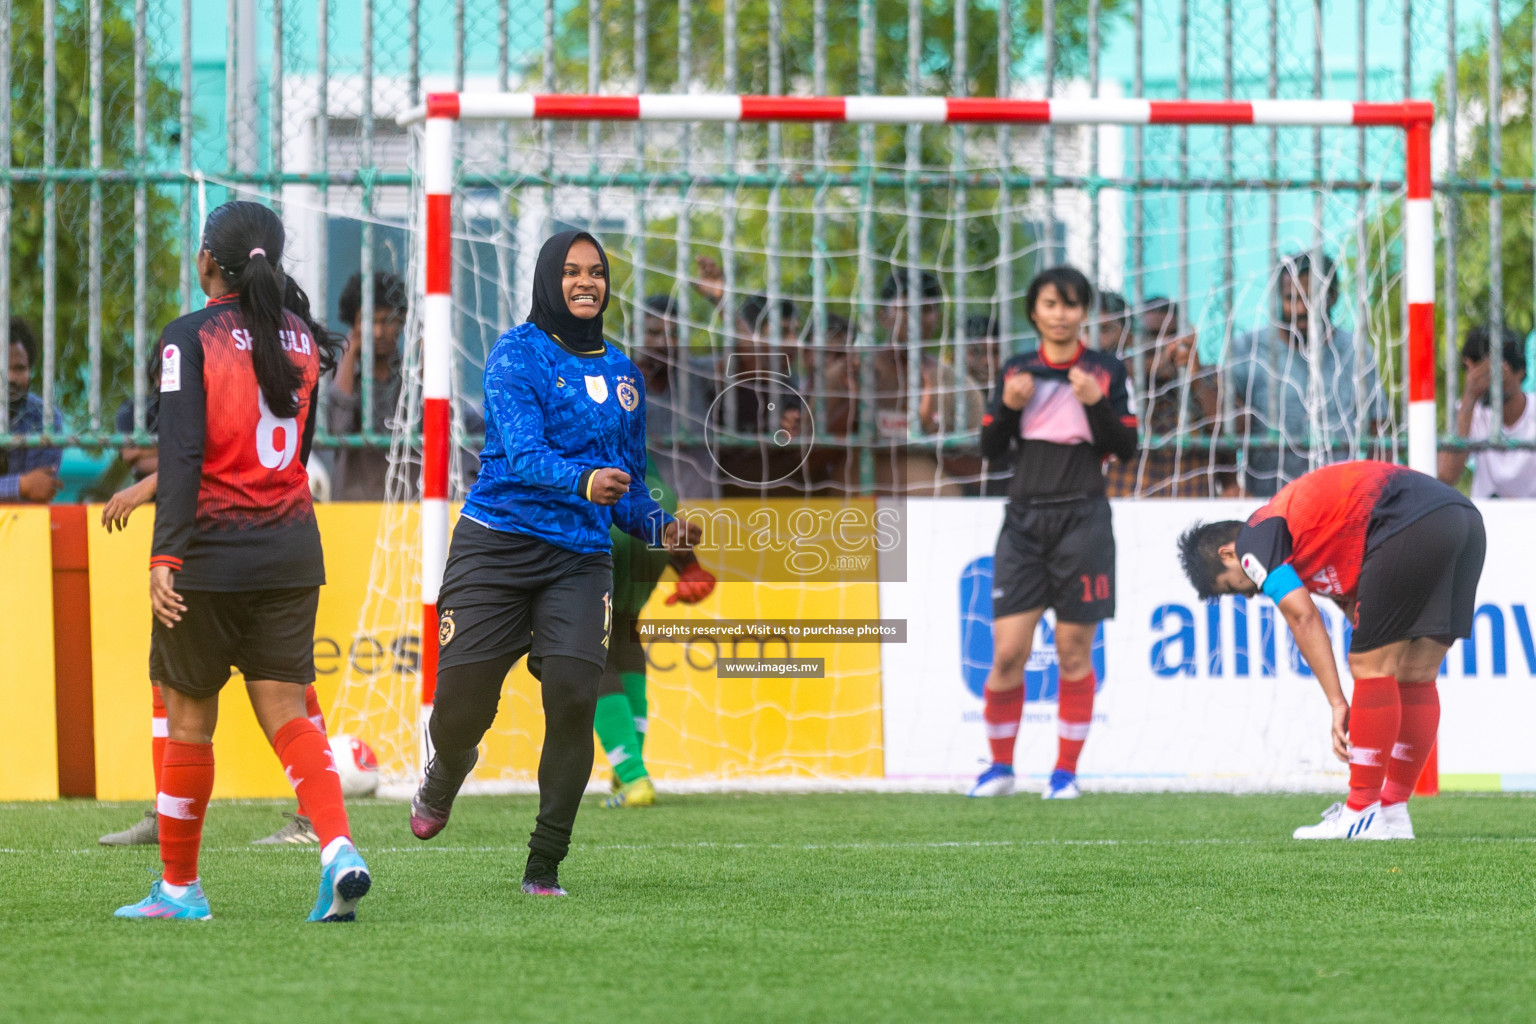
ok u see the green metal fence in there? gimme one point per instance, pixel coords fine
(126, 119)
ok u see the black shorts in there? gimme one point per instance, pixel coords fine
(266, 634)
(1421, 581)
(508, 593)
(1060, 557)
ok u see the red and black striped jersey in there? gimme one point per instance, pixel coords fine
(1322, 525)
(233, 510)
(1060, 444)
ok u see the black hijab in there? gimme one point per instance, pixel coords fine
(550, 314)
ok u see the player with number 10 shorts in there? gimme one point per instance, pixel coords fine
(1057, 412)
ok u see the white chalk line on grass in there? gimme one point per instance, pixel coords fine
(806, 847)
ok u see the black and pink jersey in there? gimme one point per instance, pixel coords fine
(233, 510)
(1316, 531)
(1059, 444)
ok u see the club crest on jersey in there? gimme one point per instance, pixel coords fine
(445, 629)
(559, 382)
(597, 389)
(1255, 570)
(629, 395)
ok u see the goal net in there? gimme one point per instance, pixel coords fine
(860, 268)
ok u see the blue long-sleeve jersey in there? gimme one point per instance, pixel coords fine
(552, 419)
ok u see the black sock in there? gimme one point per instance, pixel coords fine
(541, 869)
(467, 696)
(569, 688)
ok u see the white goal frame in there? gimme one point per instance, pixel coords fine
(441, 112)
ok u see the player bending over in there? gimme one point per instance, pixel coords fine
(1401, 553)
(1059, 411)
(621, 703)
(529, 569)
(236, 564)
(298, 830)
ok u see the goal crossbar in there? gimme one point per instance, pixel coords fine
(440, 112)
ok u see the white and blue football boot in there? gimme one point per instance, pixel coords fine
(997, 780)
(342, 883)
(1339, 822)
(1062, 786)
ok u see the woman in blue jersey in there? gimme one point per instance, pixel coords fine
(529, 569)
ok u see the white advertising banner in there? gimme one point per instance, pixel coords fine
(1191, 695)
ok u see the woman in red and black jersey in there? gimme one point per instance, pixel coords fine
(1057, 413)
(236, 565)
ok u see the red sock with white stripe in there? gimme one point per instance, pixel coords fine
(317, 715)
(312, 708)
(186, 782)
(159, 731)
(1074, 714)
(1415, 740)
(1002, 711)
(1375, 715)
(306, 758)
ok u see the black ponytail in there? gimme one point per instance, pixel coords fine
(246, 241)
(329, 344)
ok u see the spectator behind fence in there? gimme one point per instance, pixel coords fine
(1496, 473)
(832, 378)
(360, 474)
(901, 468)
(1116, 327)
(768, 425)
(983, 357)
(27, 474)
(679, 388)
(1270, 372)
(1179, 405)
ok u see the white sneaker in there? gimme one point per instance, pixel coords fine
(1062, 786)
(1339, 822)
(997, 780)
(1396, 817)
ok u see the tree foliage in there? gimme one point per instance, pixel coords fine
(942, 226)
(73, 151)
(1516, 245)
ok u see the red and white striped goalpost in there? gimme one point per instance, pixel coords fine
(441, 110)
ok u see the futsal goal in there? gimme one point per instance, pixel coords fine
(873, 253)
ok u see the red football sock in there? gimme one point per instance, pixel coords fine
(1415, 740)
(186, 774)
(312, 708)
(1002, 711)
(1074, 714)
(316, 715)
(159, 730)
(311, 770)
(1374, 717)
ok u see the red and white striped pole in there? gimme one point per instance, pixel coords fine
(1419, 283)
(915, 110)
(437, 356)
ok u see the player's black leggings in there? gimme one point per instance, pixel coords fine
(467, 696)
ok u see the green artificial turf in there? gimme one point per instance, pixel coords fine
(803, 908)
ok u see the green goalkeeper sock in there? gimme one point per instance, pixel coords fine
(634, 689)
(615, 727)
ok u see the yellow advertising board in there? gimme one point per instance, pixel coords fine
(120, 621)
(28, 736)
(367, 659)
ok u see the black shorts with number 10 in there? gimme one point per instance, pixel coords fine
(508, 593)
(1059, 556)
